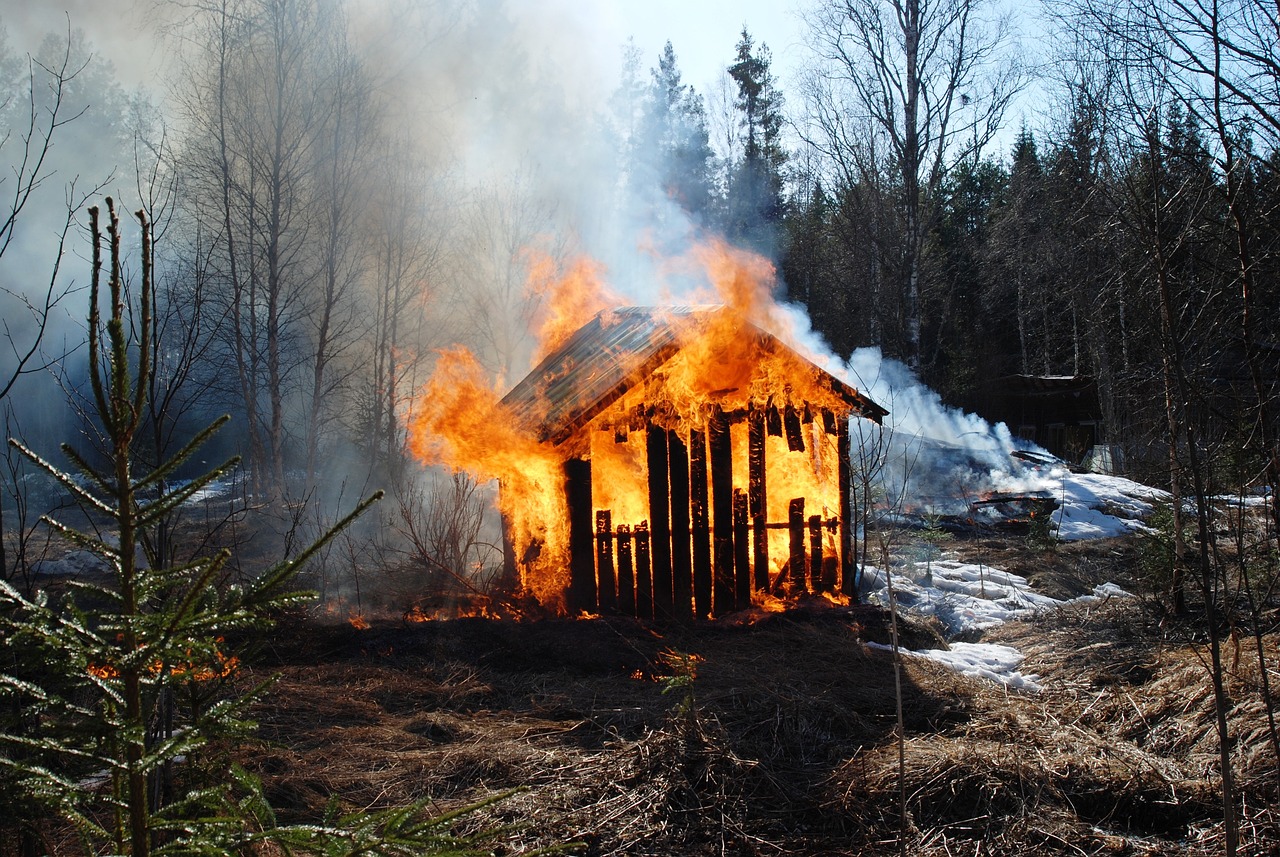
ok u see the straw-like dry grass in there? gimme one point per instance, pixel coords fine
(788, 745)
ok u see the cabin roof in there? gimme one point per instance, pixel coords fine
(611, 354)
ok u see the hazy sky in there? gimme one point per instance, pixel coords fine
(703, 32)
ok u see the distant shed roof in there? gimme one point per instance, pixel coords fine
(611, 354)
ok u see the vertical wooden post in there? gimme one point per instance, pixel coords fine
(741, 552)
(681, 543)
(815, 553)
(757, 495)
(582, 555)
(795, 431)
(721, 450)
(795, 523)
(644, 586)
(848, 518)
(608, 587)
(626, 576)
(659, 521)
(701, 524)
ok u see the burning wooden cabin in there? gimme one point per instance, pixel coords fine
(704, 463)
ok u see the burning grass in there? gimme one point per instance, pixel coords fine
(783, 743)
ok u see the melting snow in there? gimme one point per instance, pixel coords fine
(969, 597)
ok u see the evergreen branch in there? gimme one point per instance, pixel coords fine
(150, 513)
(84, 540)
(178, 458)
(87, 469)
(64, 478)
(282, 571)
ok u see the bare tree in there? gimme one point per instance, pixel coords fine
(35, 117)
(911, 87)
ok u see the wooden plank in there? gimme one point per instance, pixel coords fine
(741, 551)
(644, 579)
(681, 541)
(721, 453)
(659, 521)
(626, 573)
(816, 574)
(773, 421)
(582, 572)
(794, 430)
(848, 516)
(795, 519)
(607, 589)
(757, 494)
(701, 524)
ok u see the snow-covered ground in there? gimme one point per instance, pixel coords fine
(968, 597)
(1094, 506)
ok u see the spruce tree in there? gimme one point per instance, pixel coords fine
(754, 203)
(90, 728)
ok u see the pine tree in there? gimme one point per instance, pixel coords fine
(754, 194)
(675, 150)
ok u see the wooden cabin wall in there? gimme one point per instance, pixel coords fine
(705, 549)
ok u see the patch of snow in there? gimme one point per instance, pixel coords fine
(964, 598)
(989, 661)
(1096, 506)
(986, 660)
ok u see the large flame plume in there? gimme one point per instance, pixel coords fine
(460, 422)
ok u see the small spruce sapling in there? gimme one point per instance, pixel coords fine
(85, 677)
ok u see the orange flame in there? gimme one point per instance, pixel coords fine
(724, 359)
(358, 622)
(459, 421)
(569, 298)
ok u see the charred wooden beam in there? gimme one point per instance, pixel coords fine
(701, 524)
(848, 519)
(773, 421)
(829, 421)
(659, 520)
(757, 495)
(795, 520)
(817, 574)
(681, 544)
(626, 573)
(741, 552)
(795, 431)
(644, 577)
(721, 450)
(607, 594)
(582, 571)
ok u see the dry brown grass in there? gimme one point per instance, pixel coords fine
(789, 748)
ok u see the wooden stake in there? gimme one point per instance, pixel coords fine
(848, 518)
(741, 552)
(701, 524)
(795, 522)
(582, 572)
(626, 574)
(757, 493)
(721, 449)
(644, 580)
(608, 586)
(815, 554)
(681, 543)
(660, 521)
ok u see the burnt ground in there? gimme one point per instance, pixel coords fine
(784, 741)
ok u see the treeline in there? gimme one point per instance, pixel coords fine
(1131, 239)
